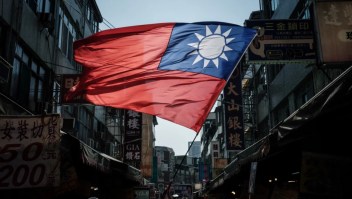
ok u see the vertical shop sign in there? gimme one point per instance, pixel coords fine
(215, 152)
(29, 151)
(234, 112)
(133, 138)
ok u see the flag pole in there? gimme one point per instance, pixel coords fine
(166, 191)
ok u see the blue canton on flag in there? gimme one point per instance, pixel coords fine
(209, 49)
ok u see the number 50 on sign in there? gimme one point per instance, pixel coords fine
(29, 151)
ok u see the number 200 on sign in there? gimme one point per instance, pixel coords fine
(22, 174)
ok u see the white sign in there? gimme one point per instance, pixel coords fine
(29, 151)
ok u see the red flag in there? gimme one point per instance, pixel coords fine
(175, 71)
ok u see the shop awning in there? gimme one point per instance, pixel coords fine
(327, 111)
(88, 159)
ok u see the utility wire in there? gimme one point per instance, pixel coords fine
(105, 21)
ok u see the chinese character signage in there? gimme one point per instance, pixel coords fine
(234, 112)
(133, 138)
(334, 28)
(67, 82)
(29, 151)
(215, 150)
(282, 41)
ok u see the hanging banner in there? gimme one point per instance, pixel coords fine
(282, 41)
(95, 159)
(29, 151)
(334, 28)
(252, 176)
(133, 138)
(234, 112)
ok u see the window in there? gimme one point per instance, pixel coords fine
(274, 4)
(304, 92)
(32, 4)
(93, 24)
(67, 34)
(28, 79)
(302, 10)
(216, 154)
(43, 6)
(40, 6)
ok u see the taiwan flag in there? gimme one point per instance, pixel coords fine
(175, 71)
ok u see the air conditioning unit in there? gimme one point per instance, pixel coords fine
(5, 71)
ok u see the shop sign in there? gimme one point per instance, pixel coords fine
(334, 28)
(234, 112)
(282, 41)
(29, 151)
(133, 138)
(67, 82)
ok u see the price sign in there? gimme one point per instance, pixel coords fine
(29, 151)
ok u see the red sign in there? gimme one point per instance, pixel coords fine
(67, 82)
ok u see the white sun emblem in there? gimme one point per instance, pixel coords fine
(211, 46)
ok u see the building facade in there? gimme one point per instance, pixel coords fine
(164, 168)
(286, 88)
(37, 67)
(194, 149)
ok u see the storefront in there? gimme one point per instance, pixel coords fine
(83, 173)
(88, 173)
(306, 156)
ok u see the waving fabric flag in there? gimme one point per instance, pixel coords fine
(175, 71)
